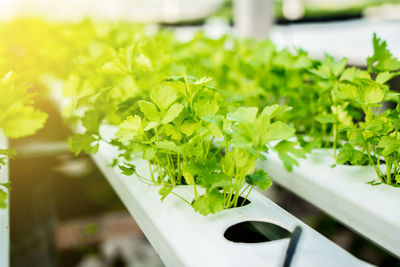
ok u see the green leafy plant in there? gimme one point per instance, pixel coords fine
(375, 137)
(189, 139)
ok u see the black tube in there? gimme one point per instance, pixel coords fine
(291, 250)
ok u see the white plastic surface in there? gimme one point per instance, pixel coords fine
(351, 39)
(4, 214)
(342, 192)
(183, 237)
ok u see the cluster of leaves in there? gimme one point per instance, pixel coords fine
(187, 134)
(374, 139)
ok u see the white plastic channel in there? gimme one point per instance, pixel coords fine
(4, 213)
(183, 237)
(343, 192)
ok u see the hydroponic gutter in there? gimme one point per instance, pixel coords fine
(183, 237)
(4, 213)
(343, 192)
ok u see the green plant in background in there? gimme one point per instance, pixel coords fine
(376, 137)
(124, 75)
(18, 118)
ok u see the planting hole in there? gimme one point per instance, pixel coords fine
(255, 232)
(242, 202)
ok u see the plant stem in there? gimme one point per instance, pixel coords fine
(151, 173)
(181, 198)
(248, 193)
(196, 194)
(388, 170)
(334, 140)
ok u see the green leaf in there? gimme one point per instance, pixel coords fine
(172, 131)
(163, 96)
(205, 107)
(363, 91)
(149, 110)
(277, 131)
(389, 145)
(259, 178)
(243, 114)
(211, 202)
(10, 153)
(288, 152)
(386, 76)
(82, 143)
(374, 182)
(382, 59)
(130, 128)
(172, 113)
(188, 127)
(91, 121)
(164, 192)
(271, 111)
(6, 185)
(348, 154)
(21, 121)
(127, 169)
(3, 199)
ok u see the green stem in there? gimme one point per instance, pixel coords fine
(151, 173)
(179, 170)
(181, 198)
(247, 195)
(208, 147)
(377, 170)
(388, 171)
(334, 140)
(196, 194)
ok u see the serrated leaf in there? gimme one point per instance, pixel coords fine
(129, 128)
(382, 59)
(82, 143)
(21, 121)
(259, 178)
(389, 145)
(164, 192)
(211, 202)
(288, 152)
(127, 169)
(347, 153)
